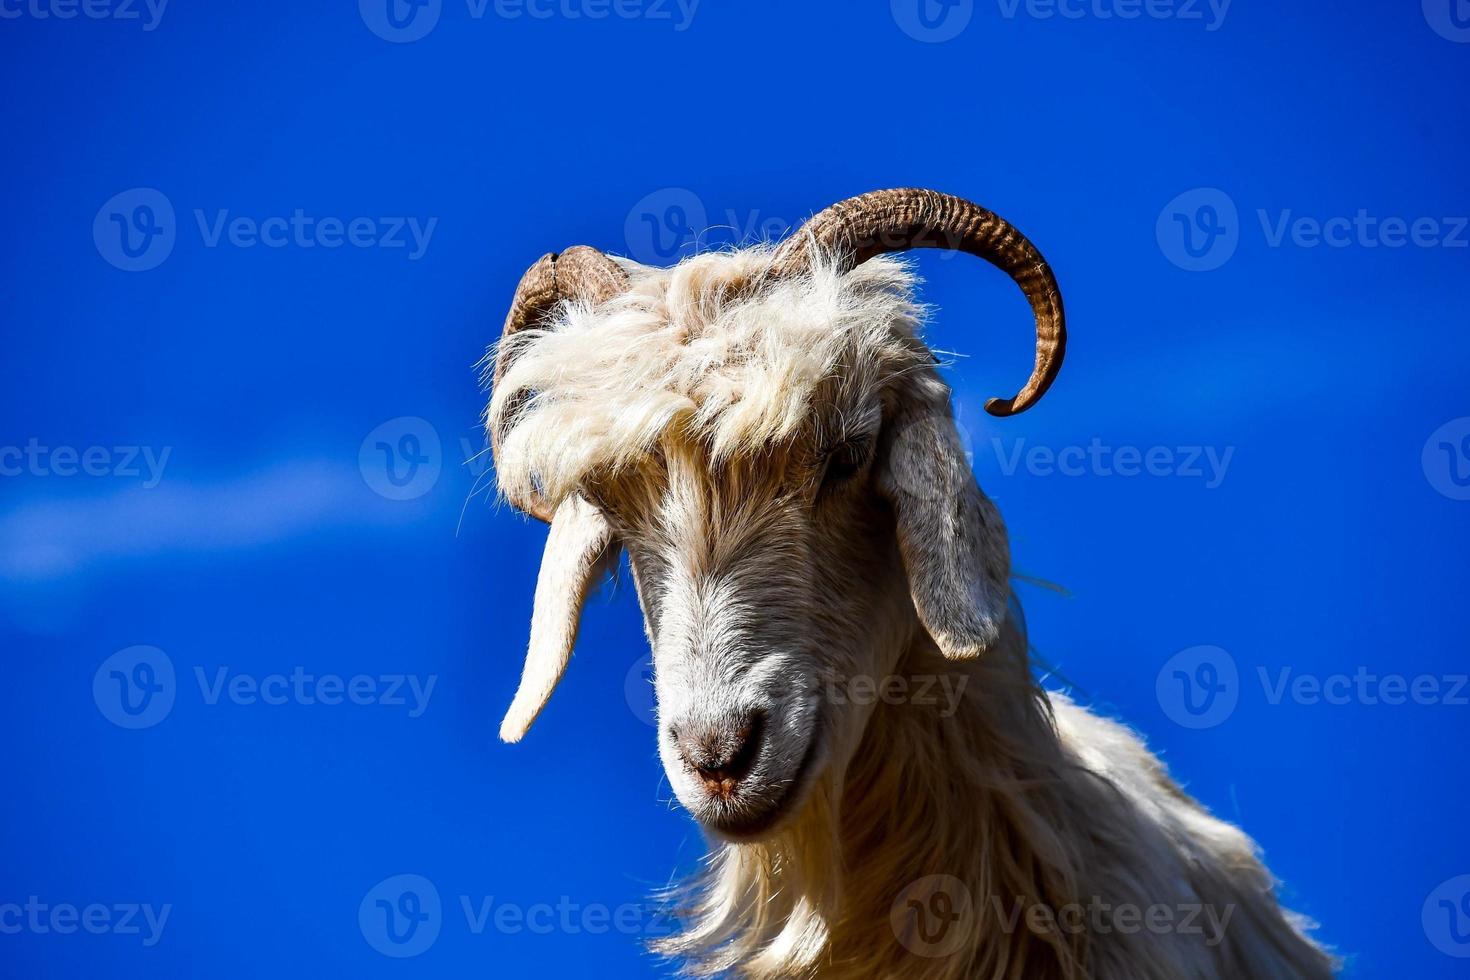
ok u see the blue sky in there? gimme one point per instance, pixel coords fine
(246, 250)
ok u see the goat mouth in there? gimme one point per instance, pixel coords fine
(749, 825)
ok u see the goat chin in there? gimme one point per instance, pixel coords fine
(1048, 841)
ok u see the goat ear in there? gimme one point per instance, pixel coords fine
(950, 535)
(577, 549)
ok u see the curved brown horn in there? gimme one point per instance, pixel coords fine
(879, 222)
(581, 272)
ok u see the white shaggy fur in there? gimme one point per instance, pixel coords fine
(778, 460)
(683, 348)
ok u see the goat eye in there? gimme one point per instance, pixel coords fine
(845, 460)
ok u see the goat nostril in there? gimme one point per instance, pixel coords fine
(720, 755)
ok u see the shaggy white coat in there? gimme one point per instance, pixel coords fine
(1004, 832)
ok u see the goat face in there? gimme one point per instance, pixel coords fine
(784, 571)
(770, 583)
(767, 438)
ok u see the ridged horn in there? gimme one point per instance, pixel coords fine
(880, 222)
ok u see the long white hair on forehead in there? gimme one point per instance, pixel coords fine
(710, 346)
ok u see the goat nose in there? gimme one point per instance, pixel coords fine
(720, 753)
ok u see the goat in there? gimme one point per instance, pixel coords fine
(766, 435)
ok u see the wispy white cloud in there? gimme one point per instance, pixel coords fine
(55, 537)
